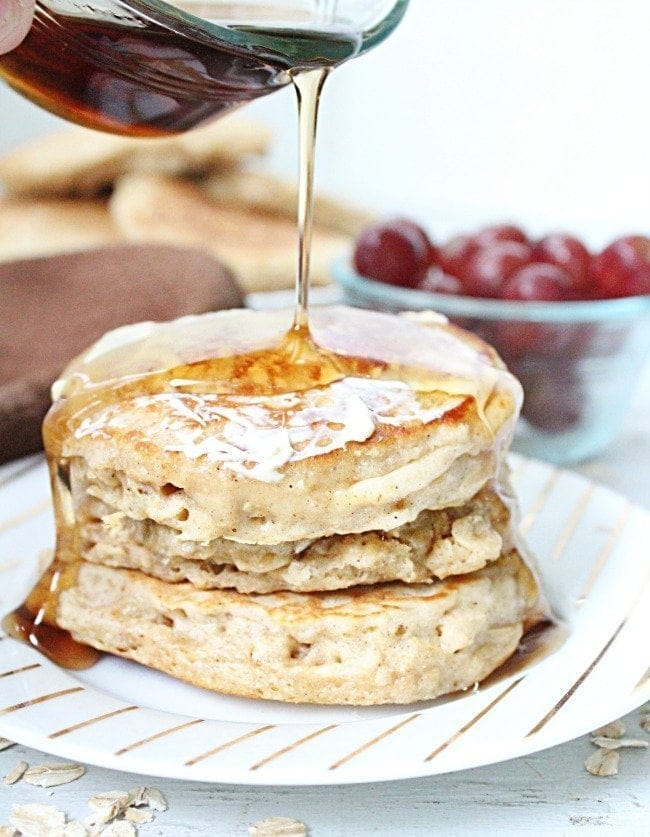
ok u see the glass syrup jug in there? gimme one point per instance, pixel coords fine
(148, 68)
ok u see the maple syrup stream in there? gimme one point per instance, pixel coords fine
(308, 86)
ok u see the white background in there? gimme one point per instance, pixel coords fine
(477, 110)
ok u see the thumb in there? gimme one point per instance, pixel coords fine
(15, 20)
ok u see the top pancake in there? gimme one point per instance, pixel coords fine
(349, 455)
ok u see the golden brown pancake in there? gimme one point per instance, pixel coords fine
(394, 643)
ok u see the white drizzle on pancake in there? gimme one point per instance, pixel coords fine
(255, 436)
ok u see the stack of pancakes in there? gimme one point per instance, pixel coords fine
(351, 543)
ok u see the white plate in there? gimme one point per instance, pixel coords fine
(592, 546)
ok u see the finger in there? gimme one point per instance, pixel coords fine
(15, 20)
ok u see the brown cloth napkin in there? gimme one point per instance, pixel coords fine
(52, 308)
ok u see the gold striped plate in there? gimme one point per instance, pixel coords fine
(592, 546)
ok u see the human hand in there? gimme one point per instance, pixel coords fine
(15, 20)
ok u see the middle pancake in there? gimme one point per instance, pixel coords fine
(437, 544)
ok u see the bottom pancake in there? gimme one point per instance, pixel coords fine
(392, 643)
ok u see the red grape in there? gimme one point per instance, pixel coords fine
(623, 268)
(501, 232)
(517, 339)
(571, 255)
(539, 281)
(415, 230)
(396, 252)
(491, 266)
(454, 256)
(437, 282)
(553, 397)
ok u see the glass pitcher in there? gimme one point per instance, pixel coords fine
(148, 68)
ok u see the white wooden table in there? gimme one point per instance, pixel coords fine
(546, 793)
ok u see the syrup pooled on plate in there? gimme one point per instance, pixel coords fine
(542, 636)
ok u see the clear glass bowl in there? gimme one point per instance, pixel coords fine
(578, 361)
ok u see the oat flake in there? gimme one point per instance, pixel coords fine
(103, 816)
(38, 820)
(138, 816)
(119, 829)
(619, 743)
(614, 730)
(110, 799)
(603, 763)
(277, 826)
(75, 829)
(53, 774)
(153, 798)
(16, 773)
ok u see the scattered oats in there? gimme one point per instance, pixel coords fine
(55, 773)
(137, 796)
(603, 763)
(135, 815)
(614, 730)
(119, 829)
(152, 798)
(38, 820)
(5, 743)
(102, 817)
(16, 774)
(618, 743)
(109, 799)
(277, 826)
(75, 829)
(107, 807)
(112, 804)
(644, 723)
(7, 831)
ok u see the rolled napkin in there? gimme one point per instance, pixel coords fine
(53, 307)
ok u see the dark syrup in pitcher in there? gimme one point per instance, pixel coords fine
(148, 74)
